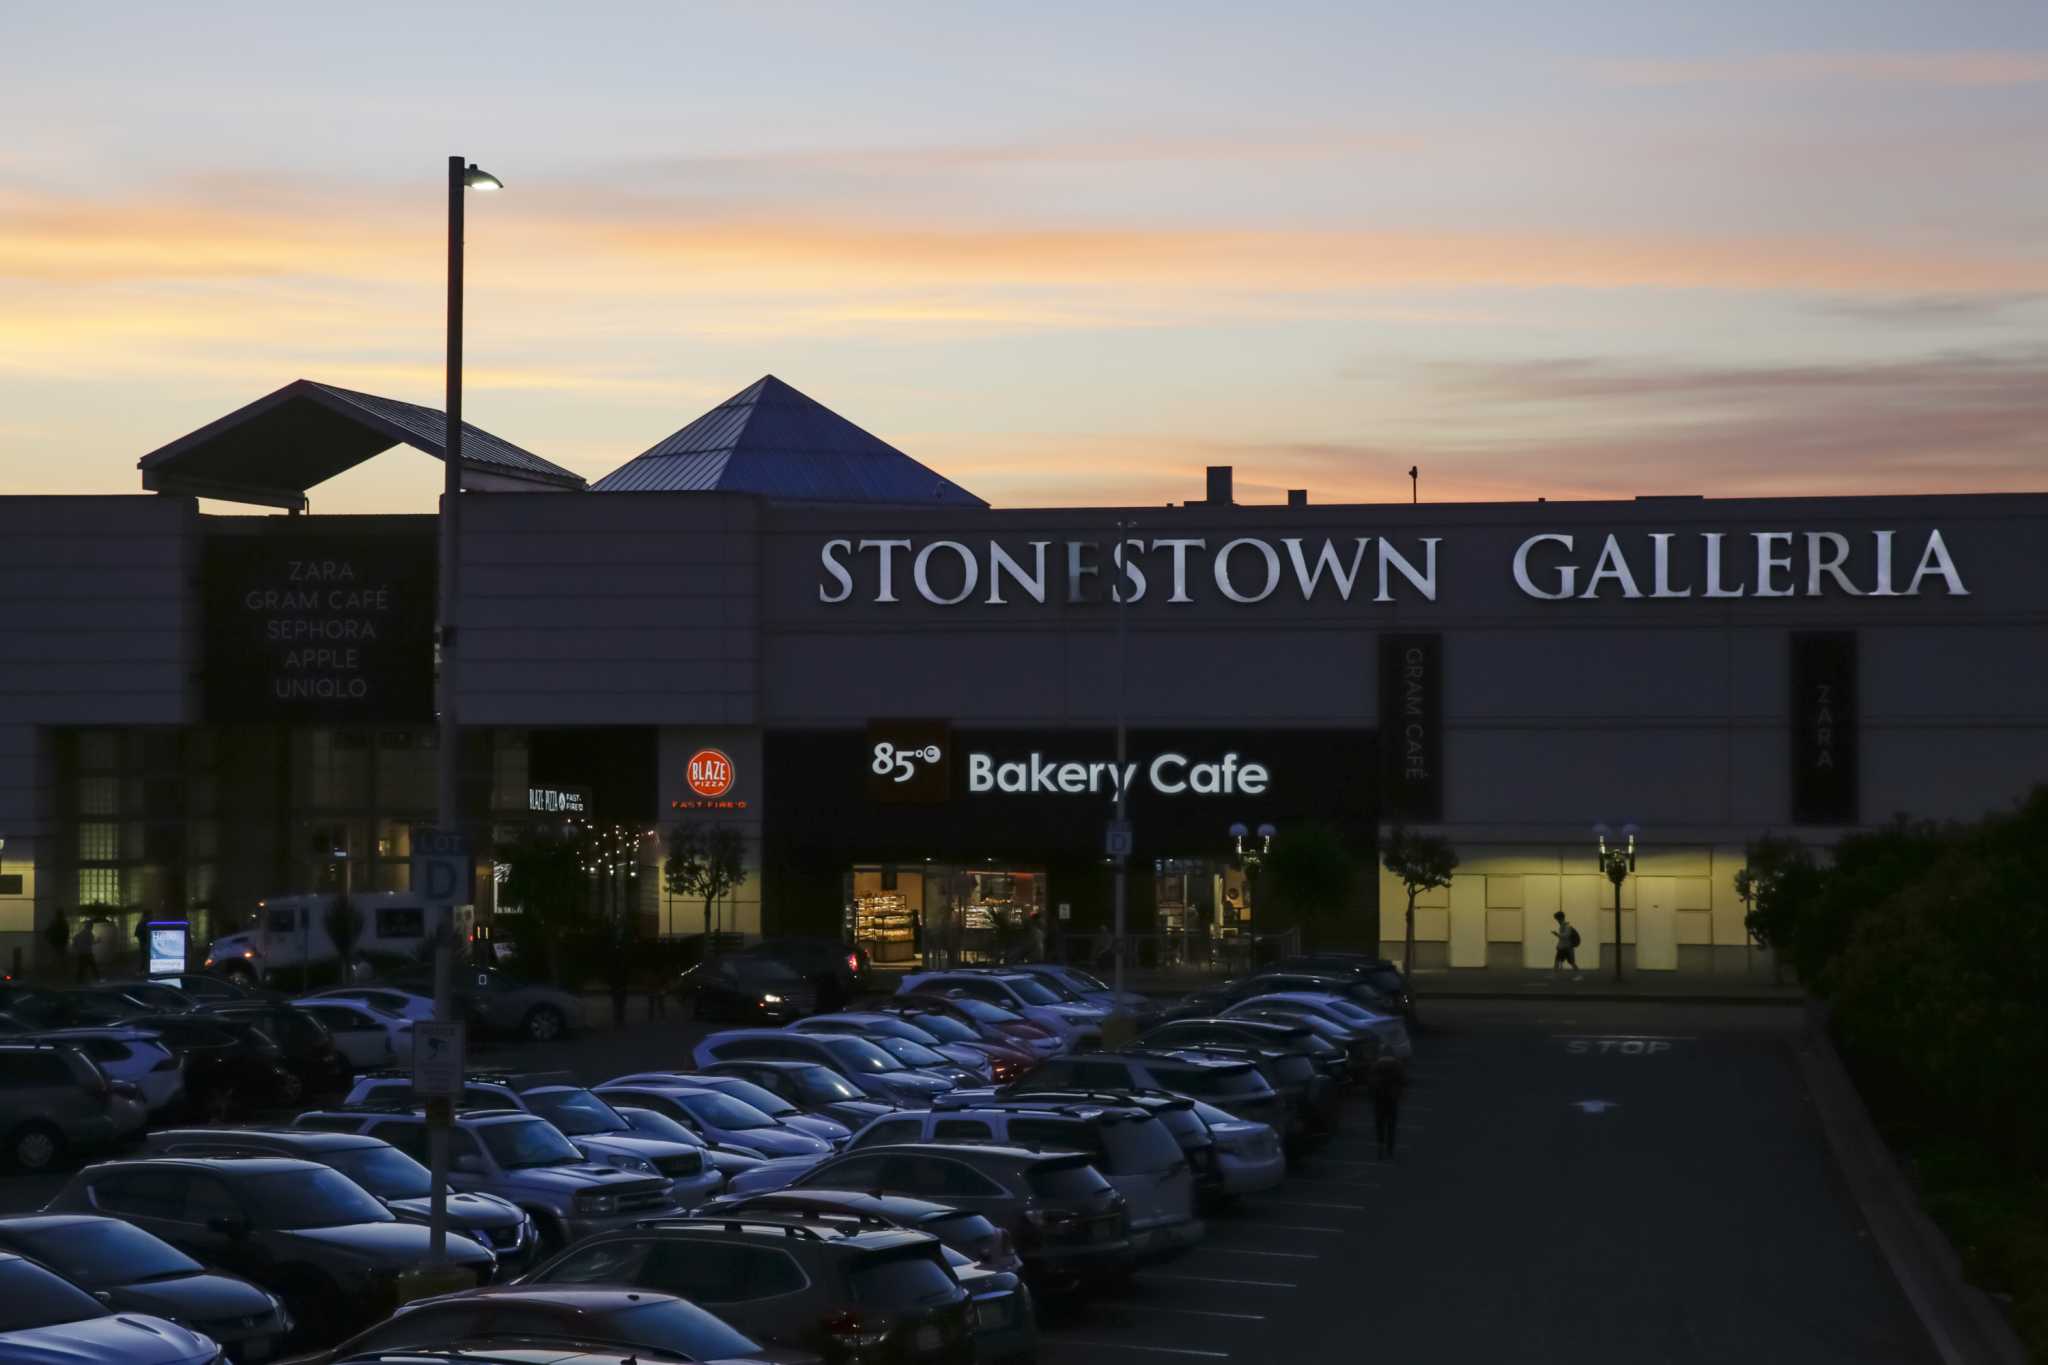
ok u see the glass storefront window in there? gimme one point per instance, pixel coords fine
(947, 914)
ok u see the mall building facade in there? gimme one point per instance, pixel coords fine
(907, 701)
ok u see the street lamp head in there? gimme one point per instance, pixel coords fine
(475, 178)
(1600, 829)
(1631, 830)
(1267, 831)
(1238, 830)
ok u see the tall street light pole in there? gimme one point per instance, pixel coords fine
(1120, 838)
(462, 176)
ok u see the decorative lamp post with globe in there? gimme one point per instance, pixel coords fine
(1617, 863)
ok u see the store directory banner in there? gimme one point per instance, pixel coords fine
(1411, 702)
(1823, 730)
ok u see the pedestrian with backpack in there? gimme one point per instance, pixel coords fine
(1567, 945)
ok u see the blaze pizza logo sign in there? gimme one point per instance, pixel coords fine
(709, 773)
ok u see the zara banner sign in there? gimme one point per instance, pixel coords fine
(1824, 728)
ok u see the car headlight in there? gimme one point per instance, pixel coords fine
(590, 1202)
(771, 999)
(638, 1164)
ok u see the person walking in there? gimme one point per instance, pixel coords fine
(84, 966)
(1385, 1082)
(1567, 945)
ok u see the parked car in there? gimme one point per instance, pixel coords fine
(386, 1174)
(1236, 1086)
(849, 1295)
(403, 1003)
(44, 1317)
(131, 1271)
(55, 1101)
(306, 1233)
(1359, 1043)
(496, 1003)
(854, 1058)
(1307, 1097)
(1378, 972)
(811, 1087)
(1250, 1157)
(510, 1351)
(228, 1061)
(992, 1021)
(204, 988)
(524, 1160)
(1008, 1058)
(969, 1233)
(1064, 1217)
(1005, 1317)
(1125, 1142)
(1090, 989)
(1019, 992)
(575, 1316)
(123, 998)
(716, 1116)
(307, 1048)
(907, 1043)
(136, 1056)
(726, 1161)
(745, 988)
(761, 1098)
(365, 1035)
(1392, 1033)
(1301, 1066)
(1176, 1113)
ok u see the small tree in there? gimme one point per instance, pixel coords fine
(545, 878)
(1421, 862)
(344, 925)
(1309, 876)
(707, 861)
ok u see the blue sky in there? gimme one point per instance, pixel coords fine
(1064, 253)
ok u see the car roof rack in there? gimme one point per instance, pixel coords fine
(1135, 1095)
(798, 1231)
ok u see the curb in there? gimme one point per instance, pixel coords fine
(1964, 1325)
(1424, 997)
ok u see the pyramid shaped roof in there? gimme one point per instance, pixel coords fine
(772, 440)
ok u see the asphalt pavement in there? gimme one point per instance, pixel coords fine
(1577, 1181)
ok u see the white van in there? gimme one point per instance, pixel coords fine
(291, 930)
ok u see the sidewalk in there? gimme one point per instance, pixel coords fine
(1677, 987)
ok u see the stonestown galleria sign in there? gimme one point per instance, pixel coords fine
(1551, 566)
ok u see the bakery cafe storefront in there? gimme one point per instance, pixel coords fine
(942, 846)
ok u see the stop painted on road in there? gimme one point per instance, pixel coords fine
(1616, 1045)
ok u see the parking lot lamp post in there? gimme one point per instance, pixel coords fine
(1617, 862)
(462, 177)
(1252, 848)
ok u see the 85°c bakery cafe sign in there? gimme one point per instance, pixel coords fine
(1551, 566)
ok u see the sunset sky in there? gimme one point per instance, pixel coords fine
(1064, 253)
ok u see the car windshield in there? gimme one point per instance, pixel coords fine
(385, 1172)
(102, 1252)
(909, 1053)
(901, 1281)
(536, 1142)
(1212, 1116)
(763, 971)
(577, 1112)
(746, 1092)
(861, 1055)
(1219, 1082)
(822, 1085)
(31, 1297)
(659, 1125)
(723, 1111)
(1031, 991)
(1085, 980)
(1139, 1146)
(308, 1199)
(984, 1011)
(946, 1030)
(960, 1229)
(679, 1329)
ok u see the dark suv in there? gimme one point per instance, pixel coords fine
(386, 1174)
(1063, 1216)
(54, 1100)
(867, 1295)
(308, 1234)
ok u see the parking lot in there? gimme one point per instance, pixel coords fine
(1593, 1182)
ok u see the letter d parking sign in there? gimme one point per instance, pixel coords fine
(440, 867)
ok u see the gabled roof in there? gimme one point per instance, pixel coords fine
(282, 444)
(772, 440)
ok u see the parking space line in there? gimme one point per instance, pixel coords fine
(1190, 1312)
(1214, 1279)
(1291, 1227)
(1132, 1346)
(1275, 1255)
(1305, 1204)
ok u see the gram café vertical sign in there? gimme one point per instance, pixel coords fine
(1411, 734)
(319, 629)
